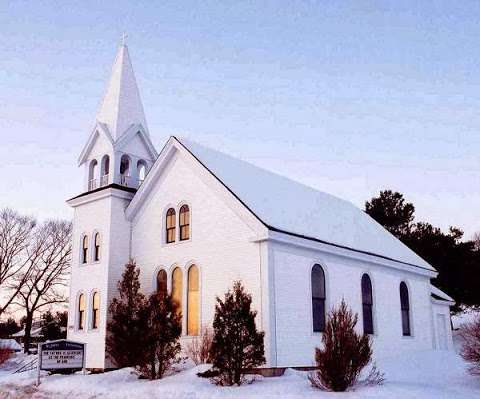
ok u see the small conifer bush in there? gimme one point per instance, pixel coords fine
(237, 345)
(344, 354)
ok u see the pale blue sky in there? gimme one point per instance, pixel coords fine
(349, 98)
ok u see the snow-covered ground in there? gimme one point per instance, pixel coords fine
(424, 375)
(467, 315)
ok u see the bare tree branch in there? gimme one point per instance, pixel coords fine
(15, 256)
(50, 262)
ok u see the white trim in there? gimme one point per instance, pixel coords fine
(287, 239)
(108, 192)
(436, 291)
(410, 309)
(374, 301)
(130, 133)
(327, 292)
(172, 148)
(99, 128)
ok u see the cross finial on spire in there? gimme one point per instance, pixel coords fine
(124, 39)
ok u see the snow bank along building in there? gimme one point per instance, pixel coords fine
(195, 220)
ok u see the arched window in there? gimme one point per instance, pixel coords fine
(142, 170)
(367, 304)
(104, 170)
(96, 245)
(92, 175)
(81, 311)
(170, 225)
(193, 301)
(162, 282)
(95, 310)
(125, 165)
(318, 298)
(184, 223)
(85, 249)
(405, 306)
(177, 288)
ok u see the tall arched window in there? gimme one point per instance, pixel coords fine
(96, 246)
(184, 223)
(162, 282)
(124, 170)
(95, 310)
(177, 288)
(85, 249)
(92, 175)
(142, 170)
(81, 311)
(318, 298)
(104, 170)
(193, 301)
(367, 304)
(405, 306)
(170, 225)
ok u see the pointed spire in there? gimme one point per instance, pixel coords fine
(121, 107)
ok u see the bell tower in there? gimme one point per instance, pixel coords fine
(116, 158)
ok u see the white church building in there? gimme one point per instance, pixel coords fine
(195, 220)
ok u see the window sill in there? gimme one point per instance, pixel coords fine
(178, 242)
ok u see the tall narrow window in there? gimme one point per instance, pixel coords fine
(193, 301)
(95, 310)
(85, 249)
(405, 306)
(141, 170)
(177, 288)
(81, 311)
(318, 298)
(367, 304)
(170, 225)
(96, 243)
(162, 282)
(184, 223)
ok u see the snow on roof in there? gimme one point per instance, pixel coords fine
(36, 332)
(439, 293)
(291, 207)
(10, 344)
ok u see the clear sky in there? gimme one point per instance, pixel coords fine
(350, 98)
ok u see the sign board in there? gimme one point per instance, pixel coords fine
(61, 354)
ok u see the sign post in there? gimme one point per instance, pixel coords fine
(60, 354)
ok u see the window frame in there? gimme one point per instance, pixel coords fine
(81, 313)
(369, 306)
(182, 290)
(84, 249)
(173, 229)
(187, 225)
(157, 285)
(405, 311)
(95, 313)
(188, 291)
(323, 299)
(96, 248)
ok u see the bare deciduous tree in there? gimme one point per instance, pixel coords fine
(15, 235)
(49, 259)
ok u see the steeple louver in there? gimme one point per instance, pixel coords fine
(121, 106)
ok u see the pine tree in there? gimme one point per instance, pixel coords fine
(162, 327)
(237, 345)
(124, 328)
(344, 355)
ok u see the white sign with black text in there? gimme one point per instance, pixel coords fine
(60, 354)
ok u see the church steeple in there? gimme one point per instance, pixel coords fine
(119, 149)
(121, 106)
